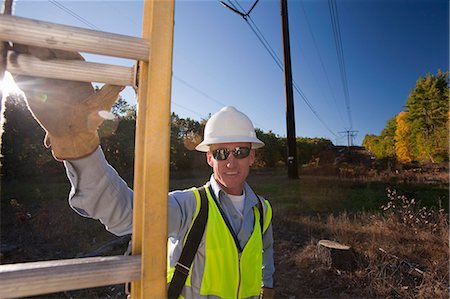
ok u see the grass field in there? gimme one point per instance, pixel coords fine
(389, 245)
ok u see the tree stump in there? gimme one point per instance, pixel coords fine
(336, 255)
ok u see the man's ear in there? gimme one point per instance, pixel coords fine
(209, 159)
(252, 157)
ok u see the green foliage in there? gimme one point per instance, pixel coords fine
(118, 146)
(382, 146)
(388, 138)
(428, 113)
(275, 153)
(185, 134)
(272, 153)
(23, 153)
(372, 143)
(307, 148)
(122, 109)
(25, 156)
(423, 134)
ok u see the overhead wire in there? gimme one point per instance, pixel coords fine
(277, 60)
(320, 59)
(197, 90)
(92, 26)
(188, 109)
(205, 95)
(73, 14)
(334, 15)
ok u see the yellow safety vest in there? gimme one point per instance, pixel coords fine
(229, 273)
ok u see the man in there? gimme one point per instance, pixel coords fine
(235, 256)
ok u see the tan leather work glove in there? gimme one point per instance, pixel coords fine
(267, 293)
(68, 111)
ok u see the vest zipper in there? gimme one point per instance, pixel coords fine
(239, 272)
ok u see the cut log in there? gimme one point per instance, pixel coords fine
(336, 255)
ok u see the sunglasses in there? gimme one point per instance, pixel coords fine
(222, 154)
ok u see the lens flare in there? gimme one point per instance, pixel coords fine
(109, 125)
(9, 86)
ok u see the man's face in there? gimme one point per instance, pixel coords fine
(231, 172)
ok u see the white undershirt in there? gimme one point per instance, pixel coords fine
(238, 202)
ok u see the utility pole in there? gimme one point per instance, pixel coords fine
(350, 134)
(290, 118)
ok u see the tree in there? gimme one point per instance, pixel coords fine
(382, 146)
(423, 134)
(402, 138)
(23, 152)
(185, 134)
(272, 152)
(372, 143)
(123, 109)
(307, 148)
(387, 137)
(427, 108)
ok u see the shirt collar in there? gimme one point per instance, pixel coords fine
(250, 195)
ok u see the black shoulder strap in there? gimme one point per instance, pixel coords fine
(193, 239)
(261, 214)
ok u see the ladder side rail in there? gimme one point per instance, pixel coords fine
(152, 152)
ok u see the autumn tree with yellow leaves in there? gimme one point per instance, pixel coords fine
(420, 133)
(402, 138)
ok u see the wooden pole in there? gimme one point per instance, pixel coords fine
(290, 117)
(55, 36)
(152, 151)
(34, 278)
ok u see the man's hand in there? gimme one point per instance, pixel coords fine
(267, 293)
(68, 111)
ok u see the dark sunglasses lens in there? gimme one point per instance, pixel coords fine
(241, 152)
(221, 154)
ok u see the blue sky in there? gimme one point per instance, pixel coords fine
(218, 60)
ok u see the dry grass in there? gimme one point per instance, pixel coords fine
(402, 252)
(37, 224)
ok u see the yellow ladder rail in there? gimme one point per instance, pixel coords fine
(152, 152)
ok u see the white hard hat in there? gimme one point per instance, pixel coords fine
(226, 126)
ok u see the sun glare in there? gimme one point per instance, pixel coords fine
(8, 85)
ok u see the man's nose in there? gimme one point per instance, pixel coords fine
(231, 160)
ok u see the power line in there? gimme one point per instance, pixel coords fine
(188, 109)
(268, 48)
(275, 57)
(320, 59)
(92, 26)
(198, 90)
(73, 14)
(205, 95)
(334, 15)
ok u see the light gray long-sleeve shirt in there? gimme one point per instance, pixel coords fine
(99, 192)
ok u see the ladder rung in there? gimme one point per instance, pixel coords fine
(27, 279)
(76, 70)
(56, 36)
